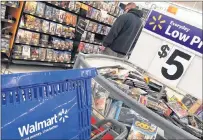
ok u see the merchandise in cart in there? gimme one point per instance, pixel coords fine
(171, 131)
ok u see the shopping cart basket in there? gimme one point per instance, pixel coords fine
(171, 131)
(47, 105)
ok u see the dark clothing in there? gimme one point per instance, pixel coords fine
(123, 32)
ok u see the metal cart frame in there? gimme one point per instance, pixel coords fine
(171, 131)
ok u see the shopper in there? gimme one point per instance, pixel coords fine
(121, 38)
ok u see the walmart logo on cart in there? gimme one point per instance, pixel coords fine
(175, 30)
(47, 123)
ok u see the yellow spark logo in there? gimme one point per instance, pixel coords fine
(159, 24)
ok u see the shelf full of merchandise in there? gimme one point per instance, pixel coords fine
(10, 11)
(46, 32)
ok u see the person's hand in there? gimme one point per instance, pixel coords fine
(102, 48)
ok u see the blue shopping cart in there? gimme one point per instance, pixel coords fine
(47, 105)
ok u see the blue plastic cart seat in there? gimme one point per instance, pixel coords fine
(47, 105)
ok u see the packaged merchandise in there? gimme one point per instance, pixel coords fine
(83, 37)
(91, 47)
(20, 36)
(37, 24)
(112, 10)
(81, 47)
(49, 55)
(96, 49)
(68, 18)
(45, 26)
(55, 13)
(177, 109)
(17, 51)
(62, 44)
(69, 44)
(74, 20)
(89, 12)
(115, 110)
(117, 11)
(30, 7)
(62, 16)
(103, 29)
(42, 54)
(29, 21)
(142, 129)
(34, 53)
(48, 12)
(26, 52)
(52, 28)
(4, 45)
(94, 14)
(99, 29)
(59, 29)
(55, 55)
(35, 38)
(188, 101)
(127, 116)
(44, 40)
(64, 30)
(152, 103)
(86, 48)
(88, 36)
(67, 57)
(57, 3)
(27, 37)
(92, 38)
(71, 6)
(40, 9)
(90, 26)
(77, 7)
(64, 4)
(61, 56)
(94, 27)
(55, 42)
(3, 11)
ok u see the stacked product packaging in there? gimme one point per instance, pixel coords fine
(149, 94)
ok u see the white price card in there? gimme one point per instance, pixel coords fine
(170, 64)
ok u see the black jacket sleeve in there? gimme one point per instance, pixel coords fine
(115, 29)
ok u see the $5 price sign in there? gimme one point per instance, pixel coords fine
(170, 63)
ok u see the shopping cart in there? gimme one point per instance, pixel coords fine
(168, 130)
(51, 105)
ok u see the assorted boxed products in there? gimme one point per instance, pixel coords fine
(4, 45)
(3, 11)
(45, 26)
(147, 93)
(89, 48)
(97, 28)
(32, 38)
(41, 54)
(42, 10)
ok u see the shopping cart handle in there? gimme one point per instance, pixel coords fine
(115, 124)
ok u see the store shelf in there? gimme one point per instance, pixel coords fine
(43, 46)
(41, 63)
(47, 33)
(98, 9)
(61, 8)
(10, 5)
(51, 20)
(7, 20)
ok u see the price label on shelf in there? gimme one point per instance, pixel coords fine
(170, 63)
